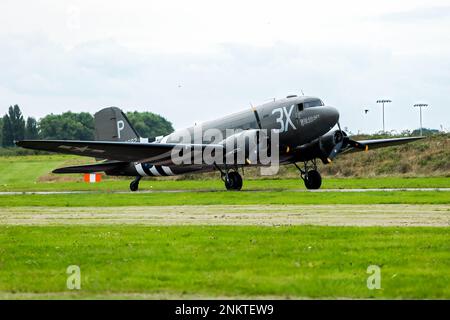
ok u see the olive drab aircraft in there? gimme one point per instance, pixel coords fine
(307, 131)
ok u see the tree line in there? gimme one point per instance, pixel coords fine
(71, 126)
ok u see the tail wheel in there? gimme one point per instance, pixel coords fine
(233, 181)
(313, 180)
(134, 185)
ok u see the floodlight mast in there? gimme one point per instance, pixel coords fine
(420, 106)
(383, 101)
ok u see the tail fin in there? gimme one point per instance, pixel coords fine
(111, 124)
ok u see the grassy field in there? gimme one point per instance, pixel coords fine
(224, 198)
(226, 261)
(27, 169)
(136, 261)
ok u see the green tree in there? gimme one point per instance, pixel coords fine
(31, 130)
(7, 132)
(67, 126)
(149, 125)
(17, 123)
(425, 132)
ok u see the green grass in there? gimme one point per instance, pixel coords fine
(212, 261)
(27, 169)
(217, 185)
(301, 261)
(224, 198)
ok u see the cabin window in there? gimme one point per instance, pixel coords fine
(300, 107)
(313, 103)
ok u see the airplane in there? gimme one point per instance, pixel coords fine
(303, 123)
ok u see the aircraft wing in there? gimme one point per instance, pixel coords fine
(156, 153)
(364, 145)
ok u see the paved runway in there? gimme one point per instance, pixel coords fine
(205, 190)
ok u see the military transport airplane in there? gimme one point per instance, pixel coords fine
(304, 126)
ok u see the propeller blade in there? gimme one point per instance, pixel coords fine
(335, 151)
(337, 148)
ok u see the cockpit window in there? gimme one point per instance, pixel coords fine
(313, 103)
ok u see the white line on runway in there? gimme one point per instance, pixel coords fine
(205, 190)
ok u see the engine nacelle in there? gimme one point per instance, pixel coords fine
(320, 148)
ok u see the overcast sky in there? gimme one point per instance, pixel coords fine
(197, 60)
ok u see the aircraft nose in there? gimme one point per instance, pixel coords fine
(331, 115)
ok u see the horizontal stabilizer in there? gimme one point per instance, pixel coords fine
(91, 168)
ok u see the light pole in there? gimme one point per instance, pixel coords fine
(420, 106)
(383, 102)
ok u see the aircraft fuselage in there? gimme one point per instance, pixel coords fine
(298, 120)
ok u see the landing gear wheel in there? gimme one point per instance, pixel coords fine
(134, 185)
(233, 181)
(313, 180)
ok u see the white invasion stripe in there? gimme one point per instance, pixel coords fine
(167, 170)
(154, 171)
(92, 177)
(140, 170)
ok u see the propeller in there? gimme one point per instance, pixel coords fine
(343, 141)
(339, 137)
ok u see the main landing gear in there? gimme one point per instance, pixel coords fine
(232, 179)
(310, 175)
(134, 185)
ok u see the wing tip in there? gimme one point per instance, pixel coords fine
(413, 138)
